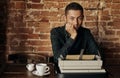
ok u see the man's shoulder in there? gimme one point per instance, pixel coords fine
(57, 29)
(84, 29)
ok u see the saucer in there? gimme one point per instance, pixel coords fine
(37, 74)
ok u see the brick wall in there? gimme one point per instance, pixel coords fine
(30, 22)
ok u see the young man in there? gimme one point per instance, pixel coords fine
(72, 37)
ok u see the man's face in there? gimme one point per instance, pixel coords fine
(75, 18)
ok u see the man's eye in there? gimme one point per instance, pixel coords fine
(72, 18)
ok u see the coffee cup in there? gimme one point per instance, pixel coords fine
(30, 67)
(42, 68)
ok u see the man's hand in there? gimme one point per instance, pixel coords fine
(71, 30)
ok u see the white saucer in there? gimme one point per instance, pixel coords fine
(37, 74)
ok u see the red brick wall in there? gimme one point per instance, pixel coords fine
(30, 22)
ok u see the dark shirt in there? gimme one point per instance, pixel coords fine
(63, 44)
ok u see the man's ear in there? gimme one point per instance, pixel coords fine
(63, 18)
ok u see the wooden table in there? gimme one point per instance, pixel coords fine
(20, 71)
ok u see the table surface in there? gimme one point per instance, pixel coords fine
(20, 71)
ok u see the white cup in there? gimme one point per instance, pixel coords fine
(30, 67)
(42, 68)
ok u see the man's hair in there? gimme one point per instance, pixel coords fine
(73, 6)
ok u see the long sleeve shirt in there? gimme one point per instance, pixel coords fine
(63, 44)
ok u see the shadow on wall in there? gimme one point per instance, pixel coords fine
(3, 25)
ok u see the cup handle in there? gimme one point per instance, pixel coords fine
(47, 68)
